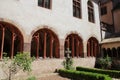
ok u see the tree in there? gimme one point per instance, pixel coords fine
(22, 61)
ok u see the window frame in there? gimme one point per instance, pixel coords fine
(91, 14)
(103, 10)
(43, 4)
(77, 9)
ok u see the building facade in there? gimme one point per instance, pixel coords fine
(110, 11)
(46, 28)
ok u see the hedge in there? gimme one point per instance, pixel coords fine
(81, 75)
(111, 73)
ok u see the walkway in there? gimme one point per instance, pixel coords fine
(52, 76)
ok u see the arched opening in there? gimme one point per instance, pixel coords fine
(118, 51)
(114, 52)
(92, 47)
(11, 40)
(75, 44)
(44, 44)
(109, 52)
(104, 52)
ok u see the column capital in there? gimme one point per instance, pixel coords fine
(14, 35)
(36, 36)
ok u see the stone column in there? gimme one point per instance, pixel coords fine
(92, 48)
(2, 42)
(44, 54)
(62, 48)
(72, 46)
(12, 45)
(37, 46)
(95, 50)
(84, 48)
(57, 49)
(51, 46)
(80, 49)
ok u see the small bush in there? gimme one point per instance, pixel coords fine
(32, 78)
(111, 73)
(105, 63)
(68, 63)
(81, 75)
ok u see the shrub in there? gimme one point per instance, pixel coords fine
(105, 62)
(81, 75)
(32, 78)
(22, 61)
(111, 73)
(68, 63)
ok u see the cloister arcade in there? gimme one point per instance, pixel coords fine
(92, 47)
(113, 52)
(11, 40)
(44, 43)
(75, 44)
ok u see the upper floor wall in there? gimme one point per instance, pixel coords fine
(106, 13)
(30, 16)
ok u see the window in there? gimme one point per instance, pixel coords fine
(44, 3)
(103, 10)
(77, 8)
(90, 12)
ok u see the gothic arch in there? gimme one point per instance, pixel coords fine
(44, 27)
(45, 43)
(118, 51)
(11, 39)
(114, 52)
(75, 44)
(104, 52)
(15, 24)
(109, 52)
(92, 47)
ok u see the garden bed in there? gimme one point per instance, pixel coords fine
(81, 75)
(111, 73)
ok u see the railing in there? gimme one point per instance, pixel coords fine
(109, 30)
(107, 27)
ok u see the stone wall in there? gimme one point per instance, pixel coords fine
(46, 66)
(50, 65)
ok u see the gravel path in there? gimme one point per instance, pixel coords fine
(52, 76)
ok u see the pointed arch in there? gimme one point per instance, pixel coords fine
(109, 52)
(92, 47)
(45, 44)
(114, 52)
(11, 39)
(118, 51)
(75, 44)
(104, 52)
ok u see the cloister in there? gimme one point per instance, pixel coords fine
(44, 43)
